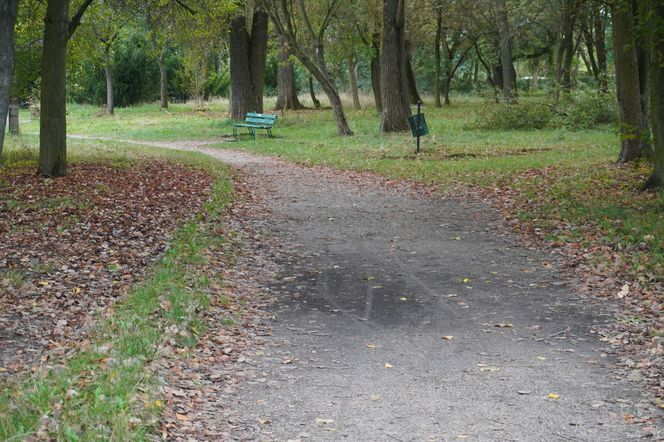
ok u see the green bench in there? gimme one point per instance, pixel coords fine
(254, 122)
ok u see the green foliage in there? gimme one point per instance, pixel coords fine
(586, 109)
(522, 115)
(218, 85)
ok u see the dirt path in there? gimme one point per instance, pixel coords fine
(407, 317)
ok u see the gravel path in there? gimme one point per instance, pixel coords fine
(401, 316)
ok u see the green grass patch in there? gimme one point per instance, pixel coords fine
(104, 391)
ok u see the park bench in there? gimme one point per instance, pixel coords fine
(254, 122)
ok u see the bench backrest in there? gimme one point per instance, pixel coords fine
(263, 119)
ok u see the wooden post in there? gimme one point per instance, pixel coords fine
(13, 119)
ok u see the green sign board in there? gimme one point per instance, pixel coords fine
(418, 125)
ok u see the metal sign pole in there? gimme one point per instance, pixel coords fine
(419, 123)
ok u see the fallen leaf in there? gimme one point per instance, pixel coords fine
(371, 346)
(181, 417)
(448, 338)
(403, 298)
(465, 280)
(264, 421)
(624, 291)
(388, 365)
(553, 396)
(322, 421)
(504, 325)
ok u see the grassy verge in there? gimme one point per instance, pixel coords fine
(104, 389)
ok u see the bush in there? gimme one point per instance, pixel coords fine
(586, 110)
(522, 115)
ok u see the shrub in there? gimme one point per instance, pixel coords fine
(522, 115)
(586, 110)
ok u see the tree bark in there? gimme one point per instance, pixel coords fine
(600, 49)
(627, 83)
(248, 53)
(436, 56)
(163, 81)
(413, 95)
(8, 14)
(53, 123)
(393, 84)
(312, 93)
(287, 90)
(656, 73)
(375, 70)
(506, 58)
(110, 104)
(353, 81)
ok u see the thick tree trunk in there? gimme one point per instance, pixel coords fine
(627, 82)
(287, 90)
(163, 81)
(312, 93)
(248, 54)
(506, 59)
(353, 81)
(657, 92)
(413, 95)
(393, 84)
(110, 104)
(8, 13)
(436, 57)
(53, 121)
(375, 70)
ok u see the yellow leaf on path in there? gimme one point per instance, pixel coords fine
(466, 280)
(371, 346)
(448, 338)
(403, 298)
(158, 404)
(553, 396)
(388, 365)
(541, 358)
(77, 290)
(43, 283)
(181, 417)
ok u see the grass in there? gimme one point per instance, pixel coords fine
(106, 390)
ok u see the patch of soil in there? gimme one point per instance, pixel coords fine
(72, 246)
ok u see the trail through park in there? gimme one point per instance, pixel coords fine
(402, 315)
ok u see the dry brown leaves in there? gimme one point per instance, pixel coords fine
(72, 246)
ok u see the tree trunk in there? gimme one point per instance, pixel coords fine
(248, 54)
(566, 47)
(657, 91)
(506, 59)
(8, 13)
(287, 90)
(163, 81)
(393, 84)
(353, 82)
(110, 105)
(375, 70)
(53, 121)
(436, 56)
(627, 83)
(448, 81)
(312, 93)
(413, 95)
(600, 48)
